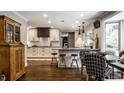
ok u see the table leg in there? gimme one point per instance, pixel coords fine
(112, 72)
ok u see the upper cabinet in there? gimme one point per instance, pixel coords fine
(11, 32)
(54, 35)
(32, 34)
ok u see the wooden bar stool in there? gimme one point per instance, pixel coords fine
(62, 60)
(74, 60)
(54, 58)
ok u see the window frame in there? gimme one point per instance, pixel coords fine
(119, 33)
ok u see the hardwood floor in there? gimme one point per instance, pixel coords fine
(42, 71)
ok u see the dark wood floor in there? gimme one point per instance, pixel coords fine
(42, 71)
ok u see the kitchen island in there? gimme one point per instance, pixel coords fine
(68, 57)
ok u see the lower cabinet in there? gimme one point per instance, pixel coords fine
(17, 63)
(43, 52)
(12, 62)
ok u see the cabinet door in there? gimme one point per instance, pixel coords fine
(47, 52)
(9, 34)
(54, 35)
(17, 34)
(39, 52)
(33, 35)
(44, 52)
(34, 52)
(18, 62)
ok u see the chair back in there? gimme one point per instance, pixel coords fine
(95, 65)
(83, 52)
(82, 55)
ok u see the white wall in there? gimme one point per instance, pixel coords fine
(23, 22)
(101, 31)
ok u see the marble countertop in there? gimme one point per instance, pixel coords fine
(64, 49)
(41, 47)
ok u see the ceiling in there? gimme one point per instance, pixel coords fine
(63, 20)
(117, 17)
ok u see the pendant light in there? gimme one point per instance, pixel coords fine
(83, 27)
(79, 30)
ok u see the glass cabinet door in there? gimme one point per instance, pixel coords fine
(17, 34)
(9, 33)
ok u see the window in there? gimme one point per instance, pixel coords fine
(112, 38)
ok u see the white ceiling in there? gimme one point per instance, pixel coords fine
(117, 17)
(36, 19)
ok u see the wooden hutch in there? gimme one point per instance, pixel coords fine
(11, 49)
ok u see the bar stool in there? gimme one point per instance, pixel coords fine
(62, 59)
(74, 60)
(54, 58)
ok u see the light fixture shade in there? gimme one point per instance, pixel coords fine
(79, 30)
(83, 31)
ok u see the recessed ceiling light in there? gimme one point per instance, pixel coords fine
(81, 15)
(51, 26)
(73, 27)
(49, 21)
(76, 21)
(45, 15)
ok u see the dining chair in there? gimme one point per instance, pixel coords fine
(96, 65)
(82, 55)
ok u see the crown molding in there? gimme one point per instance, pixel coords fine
(18, 14)
(108, 13)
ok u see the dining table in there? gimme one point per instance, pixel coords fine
(115, 62)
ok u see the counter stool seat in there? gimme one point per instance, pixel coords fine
(74, 55)
(62, 59)
(74, 60)
(62, 55)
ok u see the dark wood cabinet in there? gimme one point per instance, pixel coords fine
(11, 49)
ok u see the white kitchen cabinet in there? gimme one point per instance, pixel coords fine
(34, 52)
(47, 52)
(43, 52)
(32, 35)
(54, 35)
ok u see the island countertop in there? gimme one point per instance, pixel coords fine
(78, 49)
(68, 58)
